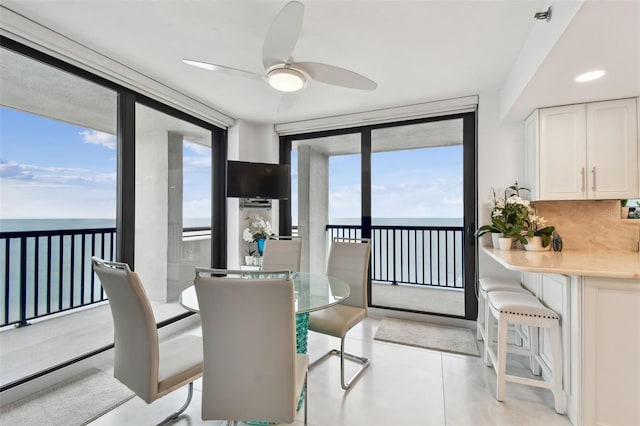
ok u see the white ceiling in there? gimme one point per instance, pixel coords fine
(417, 51)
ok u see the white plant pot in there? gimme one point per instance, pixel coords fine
(504, 243)
(248, 260)
(494, 240)
(535, 244)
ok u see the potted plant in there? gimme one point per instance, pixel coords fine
(515, 214)
(510, 232)
(258, 231)
(538, 236)
(490, 229)
(509, 216)
(248, 238)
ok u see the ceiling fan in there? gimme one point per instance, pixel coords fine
(281, 71)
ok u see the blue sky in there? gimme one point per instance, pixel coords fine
(416, 183)
(51, 169)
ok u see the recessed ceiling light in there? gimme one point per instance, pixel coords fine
(591, 75)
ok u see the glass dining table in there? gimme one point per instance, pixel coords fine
(313, 292)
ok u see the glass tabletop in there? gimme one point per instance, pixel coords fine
(313, 292)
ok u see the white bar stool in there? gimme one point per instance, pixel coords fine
(524, 309)
(486, 285)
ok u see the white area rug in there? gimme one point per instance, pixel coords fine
(76, 401)
(430, 336)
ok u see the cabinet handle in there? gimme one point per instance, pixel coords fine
(593, 172)
(583, 181)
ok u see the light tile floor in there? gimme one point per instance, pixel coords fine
(404, 386)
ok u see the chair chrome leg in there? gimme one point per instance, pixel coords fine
(306, 398)
(177, 413)
(342, 354)
(361, 360)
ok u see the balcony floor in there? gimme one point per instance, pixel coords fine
(419, 298)
(54, 340)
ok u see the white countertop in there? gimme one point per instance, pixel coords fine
(619, 264)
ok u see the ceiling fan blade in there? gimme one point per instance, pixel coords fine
(335, 75)
(223, 69)
(289, 99)
(283, 35)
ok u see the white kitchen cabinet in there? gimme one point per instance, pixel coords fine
(583, 151)
(611, 339)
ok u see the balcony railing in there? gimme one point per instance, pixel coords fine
(46, 272)
(420, 255)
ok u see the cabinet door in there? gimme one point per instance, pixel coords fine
(562, 153)
(611, 333)
(612, 149)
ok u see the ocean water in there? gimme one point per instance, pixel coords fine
(13, 225)
(401, 221)
(58, 271)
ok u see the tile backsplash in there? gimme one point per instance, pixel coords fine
(591, 225)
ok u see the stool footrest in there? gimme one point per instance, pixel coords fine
(527, 381)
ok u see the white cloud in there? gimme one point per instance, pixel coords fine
(99, 138)
(12, 170)
(50, 176)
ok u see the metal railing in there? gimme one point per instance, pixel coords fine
(46, 272)
(420, 255)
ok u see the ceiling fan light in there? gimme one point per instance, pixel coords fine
(286, 79)
(591, 75)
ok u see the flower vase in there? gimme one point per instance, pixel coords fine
(505, 243)
(261, 242)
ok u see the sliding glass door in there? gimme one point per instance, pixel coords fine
(417, 217)
(410, 187)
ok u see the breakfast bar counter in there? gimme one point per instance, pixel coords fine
(607, 264)
(597, 296)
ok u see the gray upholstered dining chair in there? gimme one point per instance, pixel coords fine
(348, 261)
(148, 367)
(283, 253)
(251, 368)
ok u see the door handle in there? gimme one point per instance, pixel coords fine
(593, 172)
(583, 179)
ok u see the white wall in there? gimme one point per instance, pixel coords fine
(500, 163)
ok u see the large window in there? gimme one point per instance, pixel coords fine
(173, 192)
(410, 187)
(58, 175)
(88, 167)
(417, 209)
